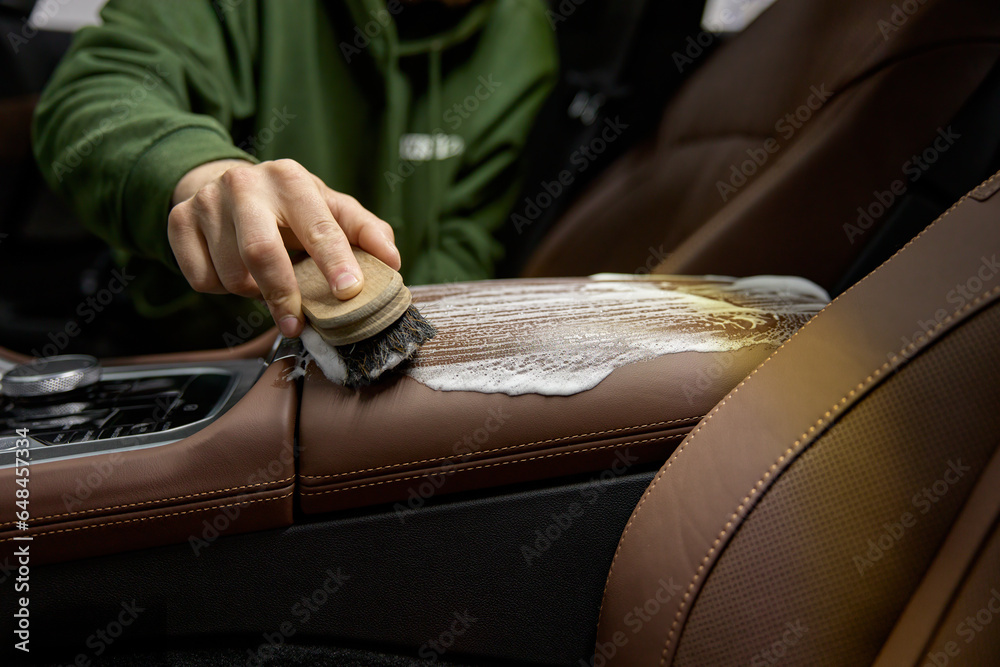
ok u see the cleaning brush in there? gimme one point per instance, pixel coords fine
(366, 335)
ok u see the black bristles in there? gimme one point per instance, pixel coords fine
(366, 360)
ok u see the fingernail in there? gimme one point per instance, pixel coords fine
(393, 249)
(289, 326)
(346, 281)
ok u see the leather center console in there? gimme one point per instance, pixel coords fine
(185, 448)
(404, 442)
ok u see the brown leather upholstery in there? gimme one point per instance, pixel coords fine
(800, 517)
(891, 90)
(402, 442)
(236, 475)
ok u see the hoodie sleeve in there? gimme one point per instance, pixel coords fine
(517, 58)
(138, 102)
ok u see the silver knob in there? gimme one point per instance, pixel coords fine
(51, 375)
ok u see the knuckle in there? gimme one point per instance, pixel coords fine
(237, 178)
(179, 218)
(348, 200)
(323, 234)
(286, 168)
(259, 251)
(207, 198)
(279, 295)
(204, 284)
(243, 285)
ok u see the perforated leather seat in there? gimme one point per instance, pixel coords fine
(764, 157)
(840, 506)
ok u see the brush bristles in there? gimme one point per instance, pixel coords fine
(366, 360)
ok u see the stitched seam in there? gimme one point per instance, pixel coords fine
(304, 492)
(731, 394)
(157, 516)
(152, 502)
(501, 449)
(806, 438)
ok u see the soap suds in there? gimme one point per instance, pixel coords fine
(324, 354)
(561, 337)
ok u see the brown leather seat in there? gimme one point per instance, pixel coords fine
(763, 158)
(842, 504)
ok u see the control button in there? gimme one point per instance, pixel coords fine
(59, 422)
(28, 412)
(139, 429)
(164, 426)
(114, 387)
(132, 415)
(114, 432)
(84, 435)
(157, 385)
(56, 438)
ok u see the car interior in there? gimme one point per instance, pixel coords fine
(801, 473)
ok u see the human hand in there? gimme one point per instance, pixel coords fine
(232, 223)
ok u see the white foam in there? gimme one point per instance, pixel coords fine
(324, 354)
(332, 364)
(564, 337)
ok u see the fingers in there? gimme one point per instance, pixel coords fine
(231, 234)
(362, 227)
(217, 205)
(304, 210)
(191, 251)
(262, 254)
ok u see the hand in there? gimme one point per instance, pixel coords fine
(232, 223)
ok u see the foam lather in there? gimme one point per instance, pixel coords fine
(562, 337)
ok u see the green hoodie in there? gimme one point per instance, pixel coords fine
(425, 128)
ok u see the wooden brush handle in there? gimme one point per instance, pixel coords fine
(382, 300)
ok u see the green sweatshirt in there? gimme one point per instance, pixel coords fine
(419, 111)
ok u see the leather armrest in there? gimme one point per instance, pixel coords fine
(401, 441)
(235, 475)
